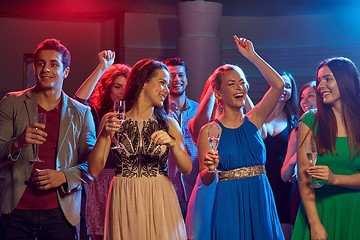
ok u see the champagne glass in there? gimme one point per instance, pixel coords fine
(311, 155)
(39, 118)
(119, 109)
(214, 137)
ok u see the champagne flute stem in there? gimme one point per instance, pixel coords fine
(37, 152)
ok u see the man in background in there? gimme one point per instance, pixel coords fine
(182, 109)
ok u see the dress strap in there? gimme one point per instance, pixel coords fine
(218, 122)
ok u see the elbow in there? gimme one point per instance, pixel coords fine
(283, 175)
(281, 85)
(188, 170)
(93, 173)
(93, 170)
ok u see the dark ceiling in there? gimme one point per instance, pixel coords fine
(95, 9)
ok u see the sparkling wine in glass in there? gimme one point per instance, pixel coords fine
(39, 118)
(119, 109)
(214, 137)
(311, 155)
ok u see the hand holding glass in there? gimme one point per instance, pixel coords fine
(311, 155)
(39, 118)
(119, 109)
(214, 137)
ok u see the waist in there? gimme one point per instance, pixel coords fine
(243, 172)
(137, 174)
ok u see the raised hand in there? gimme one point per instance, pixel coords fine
(245, 47)
(106, 58)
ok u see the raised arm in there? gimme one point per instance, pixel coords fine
(106, 59)
(248, 106)
(288, 168)
(308, 194)
(203, 113)
(262, 110)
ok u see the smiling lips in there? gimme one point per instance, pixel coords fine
(45, 77)
(239, 95)
(177, 86)
(307, 107)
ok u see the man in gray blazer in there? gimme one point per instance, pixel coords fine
(42, 199)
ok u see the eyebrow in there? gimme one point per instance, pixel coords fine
(52, 60)
(327, 75)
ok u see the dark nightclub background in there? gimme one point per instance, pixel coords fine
(292, 36)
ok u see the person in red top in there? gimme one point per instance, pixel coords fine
(42, 199)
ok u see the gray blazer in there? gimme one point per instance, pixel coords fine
(76, 139)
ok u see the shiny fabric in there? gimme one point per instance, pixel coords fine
(243, 172)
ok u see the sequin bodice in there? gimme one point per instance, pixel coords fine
(139, 156)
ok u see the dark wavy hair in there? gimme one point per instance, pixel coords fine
(100, 98)
(140, 73)
(291, 105)
(347, 78)
(54, 44)
(175, 62)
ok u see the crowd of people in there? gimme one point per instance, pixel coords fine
(160, 182)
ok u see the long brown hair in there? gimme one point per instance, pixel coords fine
(100, 98)
(142, 72)
(348, 81)
(291, 107)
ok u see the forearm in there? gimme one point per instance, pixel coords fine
(15, 147)
(98, 155)
(347, 181)
(308, 200)
(181, 159)
(271, 76)
(203, 114)
(287, 170)
(86, 89)
(207, 177)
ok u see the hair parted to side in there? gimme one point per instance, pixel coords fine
(100, 98)
(311, 84)
(54, 44)
(291, 105)
(175, 62)
(217, 75)
(347, 78)
(140, 73)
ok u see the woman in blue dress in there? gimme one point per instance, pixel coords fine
(244, 206)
